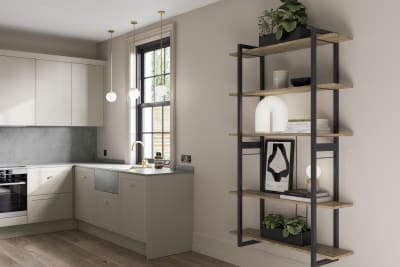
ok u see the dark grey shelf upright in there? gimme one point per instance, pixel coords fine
(318, 38)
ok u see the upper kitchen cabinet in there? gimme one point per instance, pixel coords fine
(53, 93)
(87, 95)
(17, 91)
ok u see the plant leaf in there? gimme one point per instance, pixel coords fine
(279, 33)
(285, 233)
(289, 26)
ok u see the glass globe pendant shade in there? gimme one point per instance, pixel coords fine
(308, 171)
(161, 90)
(134, 93)
(111, 97)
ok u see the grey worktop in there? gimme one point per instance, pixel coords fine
(124, 168)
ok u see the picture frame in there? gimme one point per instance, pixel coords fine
(278, 165)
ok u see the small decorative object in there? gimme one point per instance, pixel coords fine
(287, 22)
(271, 106)
(308, 173)
(292, 231)
(279, 161)
(158, 161)
(280, 79)
(111, 96)
(303, 81)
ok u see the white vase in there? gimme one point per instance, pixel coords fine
(271, 115)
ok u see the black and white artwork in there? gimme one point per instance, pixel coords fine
(279, 161)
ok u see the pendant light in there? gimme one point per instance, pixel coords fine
(111, 96)
(134, 92)
(161, 88)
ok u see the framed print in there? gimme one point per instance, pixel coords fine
(279, 161)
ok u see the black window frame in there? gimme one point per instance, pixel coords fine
(140, 52)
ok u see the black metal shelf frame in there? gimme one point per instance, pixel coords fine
(315, 147)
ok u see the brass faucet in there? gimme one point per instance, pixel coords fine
(144, 163)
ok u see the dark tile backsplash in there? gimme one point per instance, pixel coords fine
(40, 145)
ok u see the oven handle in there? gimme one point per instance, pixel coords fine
(17, 183)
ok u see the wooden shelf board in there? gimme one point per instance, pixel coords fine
(295, 90)
(323, 39)
(285, 134)
(275, 197)
(324, 251)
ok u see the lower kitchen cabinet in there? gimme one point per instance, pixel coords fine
(132, 191)
(52, 180)
(45, 208)
(106, 211)
(84, 195)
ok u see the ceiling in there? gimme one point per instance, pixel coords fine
(88, 19)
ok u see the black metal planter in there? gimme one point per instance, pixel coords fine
(303, 239)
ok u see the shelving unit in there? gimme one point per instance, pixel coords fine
(328, 254)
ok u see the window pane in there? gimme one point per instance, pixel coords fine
(147, 120)
(168, 84)
(158, 92)
(149, 64)
(167, 60)
(167, 147)
(148, 145)
(149, 90)
(157, 119)
(157, 143)
(167, 119)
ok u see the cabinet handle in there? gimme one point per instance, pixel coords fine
(48, 178)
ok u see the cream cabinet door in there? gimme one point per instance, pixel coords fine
(84, 195)
(53, 93)
(133, 207)
(87, 95)
(45, 181)
(17, 91)
(107, 211)
(45, 208)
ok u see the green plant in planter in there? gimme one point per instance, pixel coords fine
(287, 18)
(273, 221)
(293, 226)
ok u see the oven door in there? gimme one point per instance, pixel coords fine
(13, 199)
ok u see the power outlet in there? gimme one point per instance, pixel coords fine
(186, 158)
(105, 153)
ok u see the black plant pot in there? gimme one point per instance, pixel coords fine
(299, 33)
(303, 239)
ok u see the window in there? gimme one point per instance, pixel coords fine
(154, 106)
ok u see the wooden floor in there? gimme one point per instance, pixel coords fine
(78, 249)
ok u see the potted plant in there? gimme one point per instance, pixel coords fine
(287, 22)
(292, 231)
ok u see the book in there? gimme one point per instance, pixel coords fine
(306, 199)
(304, 193)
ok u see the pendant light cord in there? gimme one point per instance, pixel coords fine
(161, 43)
(111, 59)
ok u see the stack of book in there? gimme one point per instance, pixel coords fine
(305, 196)
(304, 126)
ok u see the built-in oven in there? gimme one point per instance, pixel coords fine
(13, 192)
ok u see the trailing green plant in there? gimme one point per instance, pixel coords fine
(273, 221)
(294, 226)
(286, 18)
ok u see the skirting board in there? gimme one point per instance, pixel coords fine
(36, 228)
(251, 256)
(122, 241)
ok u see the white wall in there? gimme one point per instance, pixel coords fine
(205, 115)
(47, 44)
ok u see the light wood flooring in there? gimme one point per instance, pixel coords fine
(78, 249)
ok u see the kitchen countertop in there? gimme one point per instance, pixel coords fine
(124, 168)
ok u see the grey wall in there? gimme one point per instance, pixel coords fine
(39, 145)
